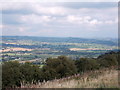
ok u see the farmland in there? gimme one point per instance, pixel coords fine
(24, 48)
(32, 62)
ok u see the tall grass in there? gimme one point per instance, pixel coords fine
(104, 78)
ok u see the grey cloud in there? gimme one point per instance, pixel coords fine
(52, 19)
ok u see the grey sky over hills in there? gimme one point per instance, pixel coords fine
(60, 19)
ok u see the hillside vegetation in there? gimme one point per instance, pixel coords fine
(104, 78)
(90, 70)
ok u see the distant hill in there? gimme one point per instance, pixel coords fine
(110, 42)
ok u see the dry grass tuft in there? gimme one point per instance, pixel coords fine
(104, 78)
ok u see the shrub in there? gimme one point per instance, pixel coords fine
(11, 75)
(59, 67)
(30, 73)
(85, 64)
(108, 59)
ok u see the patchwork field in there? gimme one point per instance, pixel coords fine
(30, 48)
(15, 49)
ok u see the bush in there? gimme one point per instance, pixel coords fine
(85, 64)
(58, 68)
(11, 75)
(108, 59)
(30, 73)
(14, 73)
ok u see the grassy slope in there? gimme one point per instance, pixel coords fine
(105, 78)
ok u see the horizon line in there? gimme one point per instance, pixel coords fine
(58, 36)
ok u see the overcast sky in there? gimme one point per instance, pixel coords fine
(68, 19)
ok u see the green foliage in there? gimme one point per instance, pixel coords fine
(109, 59)
(59, 67)
(13, 74)
(85, 64)
(30, 73)
(106, 60)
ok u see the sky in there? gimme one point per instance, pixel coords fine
(60, 19)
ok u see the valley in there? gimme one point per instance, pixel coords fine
(38, 49)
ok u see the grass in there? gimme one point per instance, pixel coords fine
(105, 78)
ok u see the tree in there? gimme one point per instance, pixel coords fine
(85, 64)
(30, 73)
(58, 68)
(11, 75)
(109, 59)
(14, 73)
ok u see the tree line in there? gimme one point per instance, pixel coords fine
(14, 73)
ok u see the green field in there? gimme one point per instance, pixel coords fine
(45, 47)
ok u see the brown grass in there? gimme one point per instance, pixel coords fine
(15, 49)
(81, 49)
(104, 78)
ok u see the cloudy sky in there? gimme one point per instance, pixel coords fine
(58, 19)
